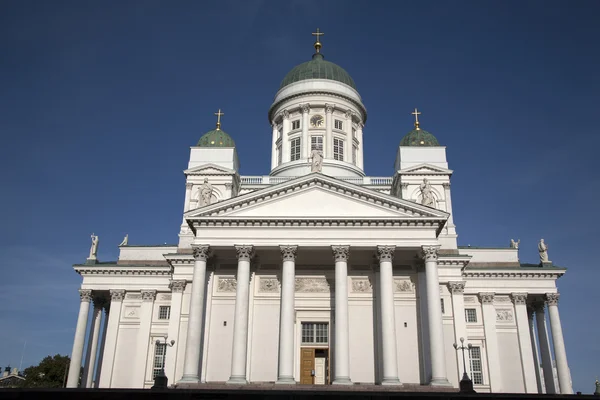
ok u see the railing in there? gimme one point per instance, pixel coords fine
(272, 180)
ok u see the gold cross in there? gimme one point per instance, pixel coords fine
(318, 43)
(416, 113)
(219, 114)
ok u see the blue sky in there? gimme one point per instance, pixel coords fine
(100, 102)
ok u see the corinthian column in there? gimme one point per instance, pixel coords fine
(274, 145)
(434, 312)
(545, 353)
(177, 289)
(92, 349)
(285, 139)
(388, 315)
(143, 337)
(196, 320)
(560, 353)
(328, 134)
(493, 352)
(77, 353)
(286, 316)
(305, 139)
(341, 356)
(240, 318)
(110, 339)
(529, 376)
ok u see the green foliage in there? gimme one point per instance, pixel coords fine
(49, 373)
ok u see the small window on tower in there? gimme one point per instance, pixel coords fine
(164, 312)
(296, 124)
(354, 152)
(279, 154)
(295, 150)
(338, 149)
(316, 143)
(339, 124)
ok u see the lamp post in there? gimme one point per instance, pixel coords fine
(466, 384)
(161, 381)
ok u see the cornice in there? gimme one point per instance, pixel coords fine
(512, 274)
(209, 221)
(451, 260)
(275, 106)
(123, 270)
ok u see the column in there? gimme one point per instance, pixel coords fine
(143, 337)
(274, 145)
(529, 376)
(101, 353)
(434, 312)
(328, 135)
(491, 340)
(78, 342)
(305, 138)
(349, 138)
(457, 289)
(341, 356)
(361, 146)
(534, 348)
(188, 196)
(195, 321)
(560, 353)
(388, 315)
(547, 368)
(177, 288)
(287, 315)
(448, 198)
(112, 333)
(240, 318)
(285, 140)
(92, 349)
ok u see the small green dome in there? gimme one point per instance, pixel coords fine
(216, 138)
(317, 68)
(419, 137)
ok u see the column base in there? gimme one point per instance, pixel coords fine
(237, 380)
(440, 382)
(189, 379)
(342, 380)
(391, 382)
(285, 380)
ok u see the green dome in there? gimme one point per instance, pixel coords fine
(216, 138)
(419, 137)
(317, 68)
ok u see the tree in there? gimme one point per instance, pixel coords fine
(49, 373)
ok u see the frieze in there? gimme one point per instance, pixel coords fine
(502, 299)
(132, 312)
(504, 315)
(361, 285)
(226, 285)
(268, 285)
(403, 285)
(165, 297)
(312, 285)
(133, 296)
(470, 299)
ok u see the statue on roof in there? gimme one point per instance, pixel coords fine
(125, 241)
(427, 198)
(317, 161)
(513, 244)
(543, 249)
(205, 193)
(94, 248)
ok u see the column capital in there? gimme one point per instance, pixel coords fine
(328, 108)
(341, 253)
(285, 114)
(519, 298)
(404, 185)
(457, 287)
(177, 286)
(117, 294)
(244, 252)
(349, 115)
(274, 124)
(487, 298)
(552, 299)
(385, 253)
(85, 295)
(201, 252)
(189, 185)
(361, 125)
(288, 253)
(305, 108)
(148, 295)
(446, 185)
(430, 253)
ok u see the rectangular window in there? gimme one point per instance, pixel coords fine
(159, 359)
(315, 333)
(475, 363)
(338, 124)
(354, 152)
(316, 143)
(279, 154)
(443, 308)
(338, 149)
(470, 315)
(296, 124)
(295, 150)
(164, 312)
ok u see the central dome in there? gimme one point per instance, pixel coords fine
(318, 68)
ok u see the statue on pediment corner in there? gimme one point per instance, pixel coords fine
(427, 198)
(205, 193)
(94, 248)
(513, 244)
(543, 250)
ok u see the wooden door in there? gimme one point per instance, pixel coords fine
(307, 365)
(320, 370)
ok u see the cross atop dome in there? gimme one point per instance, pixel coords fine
(318, 44)
(416, 113)
(219, 114)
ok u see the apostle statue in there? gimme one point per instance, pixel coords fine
(427, 198)
(317, 161)
(94, 248)
(206, 191)
(543, 249)
(513, 244)
(125, 241)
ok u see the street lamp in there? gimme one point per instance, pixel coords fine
(466, 384)
(161, 381)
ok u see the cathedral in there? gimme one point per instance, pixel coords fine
(316, 274)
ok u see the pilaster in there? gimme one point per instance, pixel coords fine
(177, 288)
(110, 345)
(143, 337)
(457, 289)
(491, 339)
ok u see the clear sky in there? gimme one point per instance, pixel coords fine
(100, 101)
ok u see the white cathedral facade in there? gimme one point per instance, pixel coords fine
(318, 274)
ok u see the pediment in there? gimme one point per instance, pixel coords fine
(425, 169)
(317, 196)
(209, 169)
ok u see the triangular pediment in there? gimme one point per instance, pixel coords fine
(425, 169)
(317, 196)
(209, 169)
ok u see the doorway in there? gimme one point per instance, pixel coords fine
(314, 354)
